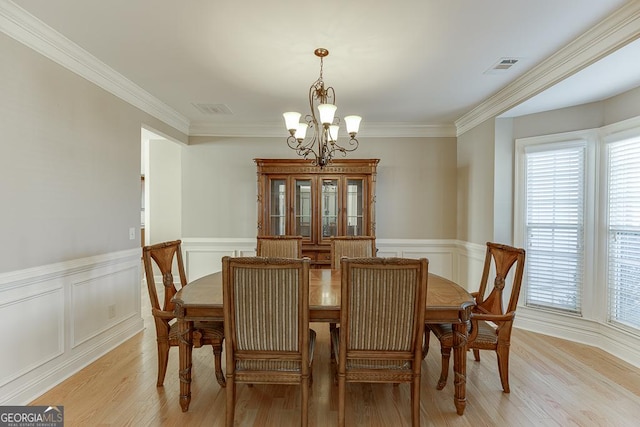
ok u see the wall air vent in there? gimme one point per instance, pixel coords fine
(503, 65)
(213, 109)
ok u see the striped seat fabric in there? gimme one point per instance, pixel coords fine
(381, 325)
(279, 246)
(266, 312)
(351, 247)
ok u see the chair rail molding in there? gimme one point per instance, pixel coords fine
(203, 255)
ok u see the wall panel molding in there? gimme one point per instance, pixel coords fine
(44, 350)
(456, 260)
(45, 335)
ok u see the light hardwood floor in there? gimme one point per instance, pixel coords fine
(553, 383)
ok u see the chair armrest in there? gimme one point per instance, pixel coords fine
(161, 314)
(499, 319)
(492, 317)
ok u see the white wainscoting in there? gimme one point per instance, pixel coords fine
(456, 260)
(62, 317)
(203, 256)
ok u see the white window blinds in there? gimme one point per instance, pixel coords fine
(624, 232)
(554, 235)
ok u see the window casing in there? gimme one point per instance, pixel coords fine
(554, 224)
(623, 231)
(606, 287)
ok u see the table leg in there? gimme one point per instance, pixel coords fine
(185, 347)
(460, 365)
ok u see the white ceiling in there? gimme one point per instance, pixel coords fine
(404, 62)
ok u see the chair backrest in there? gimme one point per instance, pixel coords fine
(163, 254)
(503, 258)
(383, 305)
(352, 247)
(279, 246)
(266, 313)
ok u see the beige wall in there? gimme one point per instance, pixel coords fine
(70, 163)
(164, 187)
(622, 107)
(485, 160)
(581, 117)
(475, 190)
(416, 185)
(503, 182)
(587, 116)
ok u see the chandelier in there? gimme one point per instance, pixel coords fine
(322, 144)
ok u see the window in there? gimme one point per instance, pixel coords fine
(574, 266)
(554, 218)
(623, 232)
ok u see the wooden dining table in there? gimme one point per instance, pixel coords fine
(201, 300)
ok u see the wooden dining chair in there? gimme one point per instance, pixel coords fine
(266, 320)
(279, 246)
(490, 324)
(167, 256)
(381, 325)
(351, 246)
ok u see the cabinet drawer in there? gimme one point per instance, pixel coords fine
(310, 255)
(324, 256)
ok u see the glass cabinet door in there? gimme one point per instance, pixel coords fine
(303, 208)
(355, 207)
(278, 208)
(330, 208)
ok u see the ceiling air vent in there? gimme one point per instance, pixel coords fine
(213, 109)
(502, 65)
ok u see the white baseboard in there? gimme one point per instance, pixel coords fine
(620, 343)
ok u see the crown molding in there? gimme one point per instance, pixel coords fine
(370, 130)
(617, 30)
(35, 34)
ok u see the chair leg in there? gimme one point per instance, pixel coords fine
(217, 360)
(502, 353)
(425, 343)
(415, 402)
(334, 371)
(332, 326)
(342, 389)
(476, 354)
(231, 401)
(304, 401)
(446, 355)
(163, 359)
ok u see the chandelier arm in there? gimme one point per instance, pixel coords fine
(352, 142)
(330, 96)
(320, 144)
(298, 145)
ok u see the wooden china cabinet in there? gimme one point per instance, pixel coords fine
(297, 198)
